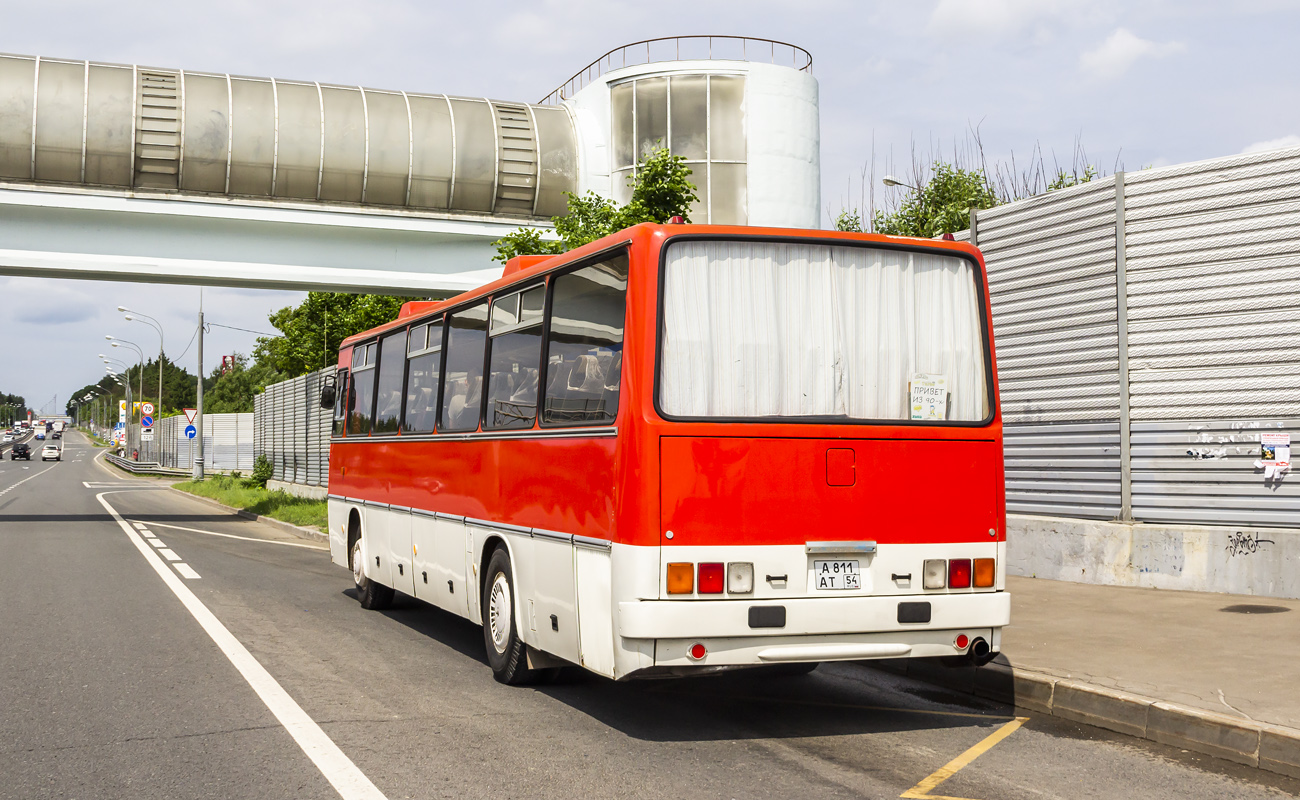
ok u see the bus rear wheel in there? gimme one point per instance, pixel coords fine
(373, 596)
(506, 652)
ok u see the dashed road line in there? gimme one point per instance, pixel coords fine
(346, 778)
(4, 492)
(187, 571)
(157, 543)
(168, 554)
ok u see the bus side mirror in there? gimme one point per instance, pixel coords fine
(328, 392)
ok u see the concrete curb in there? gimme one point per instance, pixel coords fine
(1275, 748)
(310, 534)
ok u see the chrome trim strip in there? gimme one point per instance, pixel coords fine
(448, 517)
(840, 547)
(594, 544)
(336, 497)
(501, 526)
(400, 509)
(420, 512)
(542, 533)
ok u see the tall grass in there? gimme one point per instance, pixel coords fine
(276, 504)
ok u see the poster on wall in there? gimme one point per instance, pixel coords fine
(1275, 449)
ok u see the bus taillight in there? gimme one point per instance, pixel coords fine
(740, 577)
(712, 578)
(983, 573)
(935, 573)
(681, 578)
(959, 573)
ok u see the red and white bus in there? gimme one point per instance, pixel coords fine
(682, 448)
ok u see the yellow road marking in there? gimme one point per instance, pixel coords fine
(923, 789)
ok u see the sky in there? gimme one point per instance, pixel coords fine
(1135, 84)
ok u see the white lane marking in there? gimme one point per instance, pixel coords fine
(138, 525)
(147, 534)
(170, 555)
(349, 781)
(157, 543)
(243, 538)
(187, 571)
(4, 492)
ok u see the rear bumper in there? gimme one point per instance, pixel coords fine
(663, 619)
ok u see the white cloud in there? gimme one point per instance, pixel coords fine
(1000, 18)
(1272, 144)
(1113, 57)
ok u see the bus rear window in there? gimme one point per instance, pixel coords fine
(755, 330)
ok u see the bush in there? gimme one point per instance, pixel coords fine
(262, 472)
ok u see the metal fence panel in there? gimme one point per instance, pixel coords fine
(1052, 282)
(294, 431)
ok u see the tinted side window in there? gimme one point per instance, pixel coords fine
(340, 402)
(425, 357)
(584, 346)
(516, 360)
(388, 398)
(462, 391)
(361, 396)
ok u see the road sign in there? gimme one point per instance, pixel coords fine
(190, 413)
(146, 422)
(146, 434)
(147, 409)
(191, 431)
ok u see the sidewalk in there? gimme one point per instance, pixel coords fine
(1170, 666)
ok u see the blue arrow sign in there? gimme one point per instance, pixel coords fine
(146, 422)
(191, 431)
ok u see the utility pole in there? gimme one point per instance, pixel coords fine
(198, 417)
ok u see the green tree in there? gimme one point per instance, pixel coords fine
(849, 221)
(941, 205)
(313, 330)
(661, 190)
(233, 392)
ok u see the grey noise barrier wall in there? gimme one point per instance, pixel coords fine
(1148, 330)
(83, 123)
(293, 432)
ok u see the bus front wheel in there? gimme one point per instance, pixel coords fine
(506, 652)
(373, 596)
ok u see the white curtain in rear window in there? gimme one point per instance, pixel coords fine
(789, 330)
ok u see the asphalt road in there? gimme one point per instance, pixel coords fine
(206, 656)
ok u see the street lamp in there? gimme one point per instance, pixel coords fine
(890, 180)
(136, 316)
(116, 342)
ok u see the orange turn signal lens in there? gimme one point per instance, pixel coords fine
(681, 578)
(983, 573)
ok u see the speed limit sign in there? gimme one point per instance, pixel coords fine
(147, 408)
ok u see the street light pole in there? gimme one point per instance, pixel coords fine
(148, 320)
(198, 417)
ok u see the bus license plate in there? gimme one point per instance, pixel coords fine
(836, 575)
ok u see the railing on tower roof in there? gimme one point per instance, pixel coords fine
(669, 48)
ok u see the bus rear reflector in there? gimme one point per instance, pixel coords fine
(959, 573)
(681, 578)
(983, 573)
(935, 573)
(712, 578)
(697, 651)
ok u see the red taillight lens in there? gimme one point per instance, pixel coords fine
(959, 573)
(712, 578)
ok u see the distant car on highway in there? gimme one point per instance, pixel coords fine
(21, 450)
(50, 451)
(56, 435)
(40, 435)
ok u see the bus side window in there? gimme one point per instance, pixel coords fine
(584, 344)
(515, 365)
(361, 396)
(341, 401)
(462, 378)
(388, 397)
(423, 362)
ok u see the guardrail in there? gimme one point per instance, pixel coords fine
(145, 467)
(669, 48)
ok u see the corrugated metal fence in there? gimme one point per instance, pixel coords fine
(227, 443)
(293, 431)
(1147, 331)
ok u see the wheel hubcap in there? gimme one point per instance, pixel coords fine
(358, 565)
(499, 612)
